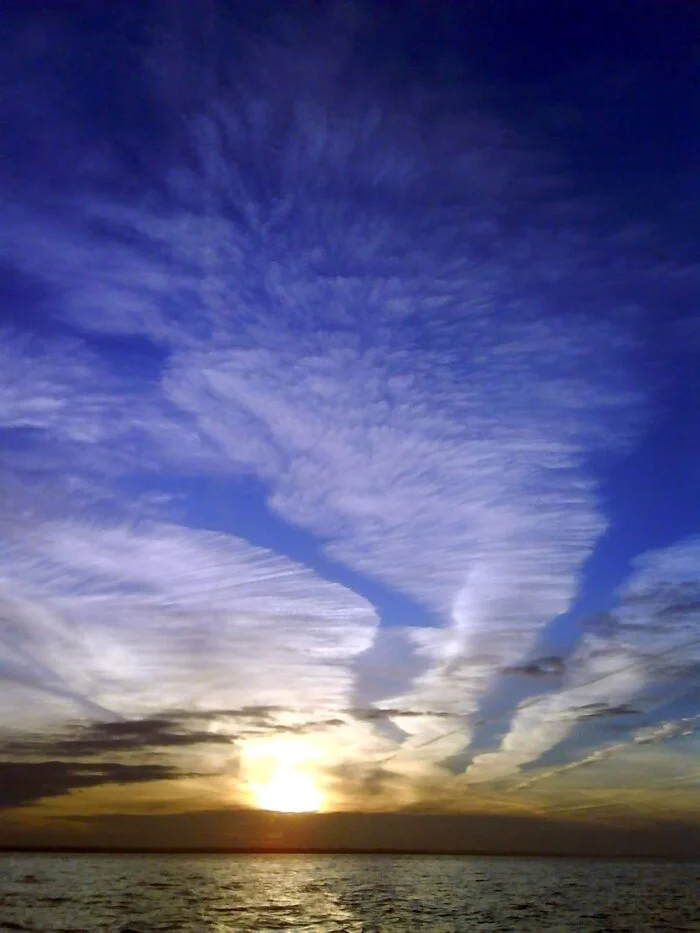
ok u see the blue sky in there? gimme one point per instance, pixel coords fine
(350, 392)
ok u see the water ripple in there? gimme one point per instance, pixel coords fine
(342, 894)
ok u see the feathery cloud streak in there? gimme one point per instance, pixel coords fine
(137, 619)
(652, 636)
(387, 312)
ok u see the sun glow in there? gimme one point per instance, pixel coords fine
(280, 777)
(289, 792)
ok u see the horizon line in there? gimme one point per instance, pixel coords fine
(314, 850)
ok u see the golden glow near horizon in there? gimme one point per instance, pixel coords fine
(280, 776)
(289, 791)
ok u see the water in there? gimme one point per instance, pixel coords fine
(357, 894)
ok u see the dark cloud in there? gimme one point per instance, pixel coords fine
(376, 714)
(602, 710)
(253, 712)
(267, 716)
(24, 782)
(156, 733)
(260, 714)
(273, 728)
(256, 720)
(265, 719)
(115, 737)
(551, 666)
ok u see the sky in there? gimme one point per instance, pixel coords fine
(350, 425)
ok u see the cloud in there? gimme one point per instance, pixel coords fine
(646, 735)
(135, 619)
(659, 607)
(386, 310)
(24, 782)
(600, 710)
(552, 666)
(599, 673)
(377, 713)
(117, 737)
(654, 629)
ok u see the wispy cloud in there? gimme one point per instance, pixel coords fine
(600, 673)
(647, 735)
(390, 315)
(135, 619)
(653, 630)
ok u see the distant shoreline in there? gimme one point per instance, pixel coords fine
(252, 850)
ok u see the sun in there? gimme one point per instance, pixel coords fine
(289, 791)
(280, 776)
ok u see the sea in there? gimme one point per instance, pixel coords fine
(351, 893)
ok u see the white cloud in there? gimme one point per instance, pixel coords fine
(599, 673)
(648, 735)
(138, 619)
(655, 628)
(368, 311)
(659, 607)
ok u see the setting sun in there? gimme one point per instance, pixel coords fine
(289, 791)
(280, 778)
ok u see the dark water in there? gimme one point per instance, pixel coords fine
(357, 894)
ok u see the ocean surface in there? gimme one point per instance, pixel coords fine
(357, 894)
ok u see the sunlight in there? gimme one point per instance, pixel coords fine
(289, 791)
(279, 777)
